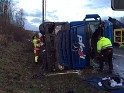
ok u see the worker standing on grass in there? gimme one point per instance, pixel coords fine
(37, 45)
(105, 50)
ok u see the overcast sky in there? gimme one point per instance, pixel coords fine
(65, 10)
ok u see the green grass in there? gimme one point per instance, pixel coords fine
(17, 68)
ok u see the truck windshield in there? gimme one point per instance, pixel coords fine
(93, 26)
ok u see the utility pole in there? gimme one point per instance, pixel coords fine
(43, 11)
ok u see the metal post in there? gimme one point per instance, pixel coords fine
(42, 11)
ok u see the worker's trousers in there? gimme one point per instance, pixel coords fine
(106, 54)
(36, 54)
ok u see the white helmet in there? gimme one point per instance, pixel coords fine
(39, 34)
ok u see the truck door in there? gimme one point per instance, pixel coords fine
(92, 24)
(78, 49)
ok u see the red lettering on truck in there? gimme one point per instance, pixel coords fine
(81, 47)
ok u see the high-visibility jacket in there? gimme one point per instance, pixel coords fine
(37, 43)
(103, 43)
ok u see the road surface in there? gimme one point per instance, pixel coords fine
(118, 61)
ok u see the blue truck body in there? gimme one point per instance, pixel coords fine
(108, 32)
(74, 44)
(78, 37)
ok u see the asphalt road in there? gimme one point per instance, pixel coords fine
(118, 51)
(118, 61)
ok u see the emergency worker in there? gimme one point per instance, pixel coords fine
(37, 45)
(94, 38)
(105, 50)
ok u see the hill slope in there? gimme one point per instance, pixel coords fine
(17, 68)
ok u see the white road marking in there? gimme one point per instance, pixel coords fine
(118, 55)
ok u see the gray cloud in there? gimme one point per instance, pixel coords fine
(29, 26)
(51, 14)
(38, 14)
(35, 13)
(92, 5)
(101, 2)
(97, 4)
(36, 20)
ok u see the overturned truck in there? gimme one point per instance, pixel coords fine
(72, 45)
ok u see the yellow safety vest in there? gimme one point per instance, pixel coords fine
(103, 43)
(36, 43)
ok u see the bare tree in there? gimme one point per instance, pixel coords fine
(20, 18)
(6, 11)
(10, 14)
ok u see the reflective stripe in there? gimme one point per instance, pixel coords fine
(36, 58)
(107, 46)
(36, 49)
